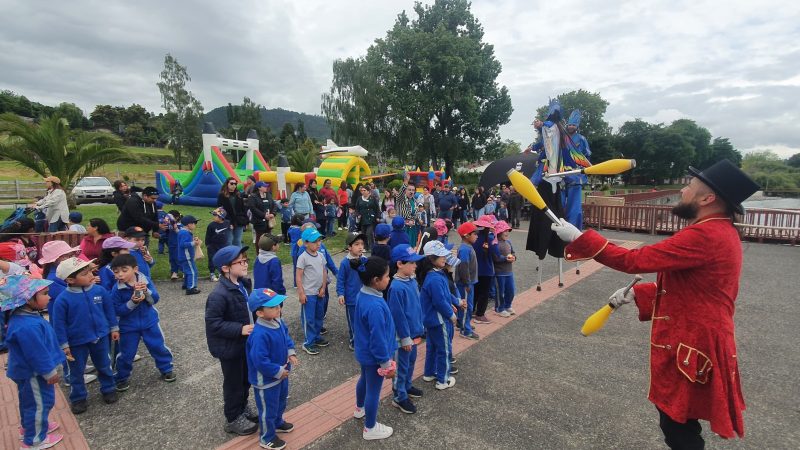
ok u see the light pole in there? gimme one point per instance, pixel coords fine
(236, 127)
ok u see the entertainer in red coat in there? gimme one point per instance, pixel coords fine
(694, 373)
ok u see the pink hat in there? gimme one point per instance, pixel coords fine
(501, 226)
(52, 250)
(486, 221)
(441, 226)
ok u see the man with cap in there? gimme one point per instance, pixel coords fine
(270, 359)
(140, 210)
(694, 373)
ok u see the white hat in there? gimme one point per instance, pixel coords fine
(70, 266)
(436, 248)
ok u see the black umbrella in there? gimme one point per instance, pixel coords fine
(496, 172)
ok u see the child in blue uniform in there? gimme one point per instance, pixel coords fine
(503, 271)
(348, 283)
(112, 247)
(140, 251)
(187, 242)
(286, 219)
(375, 343)
(270, 358)
(33, 358)
(381, 247)
(466, 277)
(217, 235)
(267, 270)
(312, 275)
(437, 308)
(294, 238)
(161, 215)
(407, 317)
(398, 235)
(228, 324)
(83, 319)
(134, 298)
(172, 221)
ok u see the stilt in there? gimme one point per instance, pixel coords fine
(560, 270)
(577, 268)
(538, 269)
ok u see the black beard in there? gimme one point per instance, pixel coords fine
(686, 211)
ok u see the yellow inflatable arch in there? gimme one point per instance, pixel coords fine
(348, 168)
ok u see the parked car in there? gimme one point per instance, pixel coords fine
(93, 189)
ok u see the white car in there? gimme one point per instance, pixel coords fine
(93, 189)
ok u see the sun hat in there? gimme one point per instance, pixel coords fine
(441, 227)
(501, 226)
(16, 290)
(52, 250)
(437, 248)
(486, 221)
(117, 242)
(70, 266)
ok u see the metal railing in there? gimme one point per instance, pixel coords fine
(761, 225)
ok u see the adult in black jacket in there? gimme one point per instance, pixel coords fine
(140, 211)
(514, 207)
(262, 209)
(231, 201)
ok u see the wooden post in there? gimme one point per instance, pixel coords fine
(16, 186)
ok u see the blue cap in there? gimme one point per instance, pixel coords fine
(187, 219)
(260, 184)
(75, 217)
(398, 222)
(264, 297)
(225, 255)
(310, 235)
(405, 252)
(382, 231)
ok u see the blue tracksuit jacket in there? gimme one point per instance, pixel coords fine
(436, 299)
(348, 283)
(374, 335)
(133, 317)
(268, 351)
(33, 348)
(83, 315)
(185, 246)
(398, 237)
(267, 272)
(56, 289)
(294, 236)
(406, 309)
(486, 258)
(107, 279)
(144, 266)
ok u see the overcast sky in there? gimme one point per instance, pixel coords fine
(732, 66)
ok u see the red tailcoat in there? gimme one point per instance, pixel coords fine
(693, 369)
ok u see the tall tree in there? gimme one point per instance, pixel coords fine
(50, 148)
(427, 90)
(698, 137)
(593, 109)
(721, 148)
(184, 111)
(72, 114)
(105, 116)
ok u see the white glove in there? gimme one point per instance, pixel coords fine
(620, 298)
(567, 232)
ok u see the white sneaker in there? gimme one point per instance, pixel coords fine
(359, 413)
(340, 229)
(450, 383)
(88, 378)
(427, 378)
(504, 313)
(379, 431)
(511, 311)
(137, 357)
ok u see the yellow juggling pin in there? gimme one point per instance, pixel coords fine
(600, 317)
(610, 167)
(524, 186)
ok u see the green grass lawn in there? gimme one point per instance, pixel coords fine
(160, 271)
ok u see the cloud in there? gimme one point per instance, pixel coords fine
(733, 69)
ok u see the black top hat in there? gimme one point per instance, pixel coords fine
(729, 182)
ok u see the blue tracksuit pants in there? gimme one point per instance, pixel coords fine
(271, 403)
(174, 266)
(350, 312)
(311, 318)
(405, 372)
(189, 269)
(451, 332)
(571, 198)
(98, 351)
(465, 316)
(153, 339)
(36, 399)
(505, 290)
(437, 356)
(368, 394)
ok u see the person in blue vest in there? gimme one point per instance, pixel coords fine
(33, 358)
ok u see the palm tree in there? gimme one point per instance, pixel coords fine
(51, 148)
(302, 160)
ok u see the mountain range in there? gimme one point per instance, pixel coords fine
(316, 126)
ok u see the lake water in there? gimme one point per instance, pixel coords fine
(773, 203)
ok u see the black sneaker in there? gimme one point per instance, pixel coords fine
(110, 398)
(251, 413)
(241, 426)
(123, 386)
(311, 349)
(169, 377)
(192, 291)
(79, 407)
(285, 428)
(275, 444)
(406, 406)
(453, 370)
(414, 392)
(322, 342)
(323, 330)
